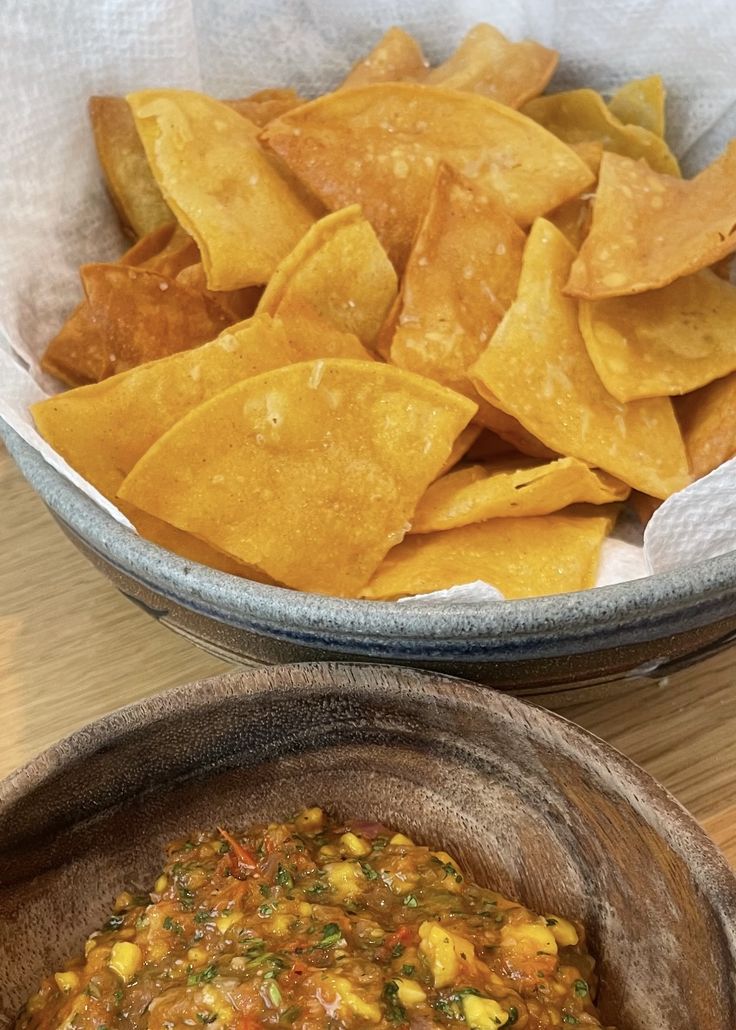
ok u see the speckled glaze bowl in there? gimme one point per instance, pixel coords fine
(526, 801)
(533, 647)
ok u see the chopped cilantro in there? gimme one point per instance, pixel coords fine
(117, 996)
(273, 992)
(331, 934)
(550, 921)
(581, 988)
(206, 1017)
(398, 951)
(317, 888)
(171, 924)
(114, 922)
(395, 1011)
(204, 916)
(411, 901)
(284, 877)
(513, 1015)
(265, 890)
(265, 911)
(407, 969)
(567, 1018)
(368, 871)
(203, 977)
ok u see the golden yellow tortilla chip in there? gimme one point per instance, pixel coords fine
(460, 278)
(582, 116)
(708, 421)
(336, 452)
(550, 554)
(396, 56)
(573, 219)
(538, 369)
(641, 102)
(341, 270)
(649, 229)
(379, 146)
(129, 316)
(312, 336)
(666, 342)
(265, 105)
(159, 247)
(512, 487)
(188, 546)
(132, 187)
(487, 62)
(461, 447)
(220, 184)
(238, 304)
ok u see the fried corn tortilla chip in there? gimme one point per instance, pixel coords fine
(512, 487)
(102, 430)
(666, 342)
(460, 278)
(641, 102)
(582, 116)
(265, 105)
(708, 421)
(649, 229)
(520, 557)
(238, 304)
(538, 369)
(487, 62)
(342, 271)
(461, 447)
(131, 185)
(573, 219)
(379, 146)
(337, 452)
(643, 505)
(397, 56)
(312, 336)
(220, 184)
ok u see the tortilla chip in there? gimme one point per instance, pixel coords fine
(338, 453)
(460, 278)
(649, 229)
(643, 505)
(132, 187)
(488, 63)
(380, 146)
(168, 251)
(265, 105)
(708, 421)
(397, 56)
(139, 316)
(538, 369)
(512, 487)
(582, 116)
(490, 446)
(461, 447)
(530, 557)
(238, 304)
(641, 102)
(573, 219)
(220, 185)
(666, 342)
(312, 336)
(102, 430)
(342, 271)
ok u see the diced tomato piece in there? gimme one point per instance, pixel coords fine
(242, 860)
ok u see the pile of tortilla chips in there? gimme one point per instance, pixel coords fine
(430, 328)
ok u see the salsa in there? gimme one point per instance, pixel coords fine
(315, 925)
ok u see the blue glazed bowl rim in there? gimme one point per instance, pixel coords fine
(550, 626)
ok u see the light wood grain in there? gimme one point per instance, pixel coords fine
(71, 648)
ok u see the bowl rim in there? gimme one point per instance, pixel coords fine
(551, 626)
(649, 798)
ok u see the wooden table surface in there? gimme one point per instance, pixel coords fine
(72, 648)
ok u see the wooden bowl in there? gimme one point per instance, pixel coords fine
(526, 801)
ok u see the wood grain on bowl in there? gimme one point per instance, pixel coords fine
(526, 801)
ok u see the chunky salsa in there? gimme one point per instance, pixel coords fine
(319, 926)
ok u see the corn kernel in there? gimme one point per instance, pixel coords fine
(564, 932)
(311, 820)
(161, 884)
(197, 954)
(125, 960)
(304, 908)
(280, 924)
(483, 1013)
(410, 992)
(401, 840)
(123, 901)
(328, 851)
(353, 1002)
(443, 951)
(226, 920)
(355, 845)
(529, 938)
(67, 982)
(344, 878)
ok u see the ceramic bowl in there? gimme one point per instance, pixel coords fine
(648, 627)
(525, 800)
